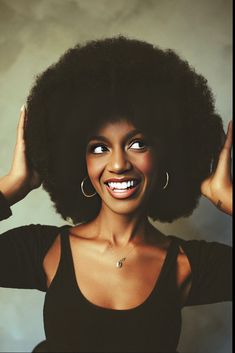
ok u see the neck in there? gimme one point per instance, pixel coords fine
(119, 230)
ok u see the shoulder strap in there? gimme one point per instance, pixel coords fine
(167, 277)
(171, 258)
(66, 260)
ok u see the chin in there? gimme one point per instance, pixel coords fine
(124, 207)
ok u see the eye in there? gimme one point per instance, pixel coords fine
(142, 144)
(97, 149)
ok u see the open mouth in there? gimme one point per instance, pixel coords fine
(123, 189)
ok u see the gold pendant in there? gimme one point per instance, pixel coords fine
(119, 263)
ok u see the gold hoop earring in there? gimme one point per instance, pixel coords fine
(167, 181)
(82, 188)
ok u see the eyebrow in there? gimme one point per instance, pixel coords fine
(127, 136)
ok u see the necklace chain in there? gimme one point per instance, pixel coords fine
(119, 263)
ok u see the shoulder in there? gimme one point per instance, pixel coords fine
(33, 229)
(34, 237)
(205, 257)
(211, 271)
(202, 248)
(22, 250)
(202, 254)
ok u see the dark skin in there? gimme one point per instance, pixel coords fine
(122, 227)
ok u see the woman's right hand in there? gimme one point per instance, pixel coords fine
(21, 179)
(218, 186)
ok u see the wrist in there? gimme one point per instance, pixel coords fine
(223, 200)
(13, 189)
(226, 208)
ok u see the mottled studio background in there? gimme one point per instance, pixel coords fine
(33, 34)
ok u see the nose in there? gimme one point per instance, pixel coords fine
(119, 162)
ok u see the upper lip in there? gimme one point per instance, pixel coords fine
(119, 180)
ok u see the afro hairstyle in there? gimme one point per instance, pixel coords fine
(101, 81)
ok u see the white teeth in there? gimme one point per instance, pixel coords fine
(122, 185)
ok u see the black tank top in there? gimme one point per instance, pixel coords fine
(74, 324)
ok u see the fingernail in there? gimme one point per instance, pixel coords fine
(22, 108)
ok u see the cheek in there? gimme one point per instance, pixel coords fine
(146, 164)
(94, 169)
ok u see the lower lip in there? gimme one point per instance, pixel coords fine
(122, 194)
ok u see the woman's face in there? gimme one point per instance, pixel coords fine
(121, 166)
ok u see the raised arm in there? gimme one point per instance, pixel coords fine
(218, 187)
(21, 179)
(22, 249)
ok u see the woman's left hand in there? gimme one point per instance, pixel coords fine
(218, 186)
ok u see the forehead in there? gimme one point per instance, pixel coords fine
(115, 128)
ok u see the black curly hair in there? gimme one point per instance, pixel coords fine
(110, 78)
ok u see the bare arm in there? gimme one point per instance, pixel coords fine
(218, 187)
(20, 180)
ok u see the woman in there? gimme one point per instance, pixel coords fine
(118, 131)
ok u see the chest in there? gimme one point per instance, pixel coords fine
(106, 285)
(69, 318)
(103, 284)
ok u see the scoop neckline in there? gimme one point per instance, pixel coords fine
(112, 310)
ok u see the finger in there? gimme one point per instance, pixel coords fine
(20, 128)
(223, 169)
(229, 137)
(225, 154)
(224, 163)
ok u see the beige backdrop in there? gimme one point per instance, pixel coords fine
(33, 34)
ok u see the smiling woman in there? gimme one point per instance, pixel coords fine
(118, 131)
(121, 167)
(170, 104)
